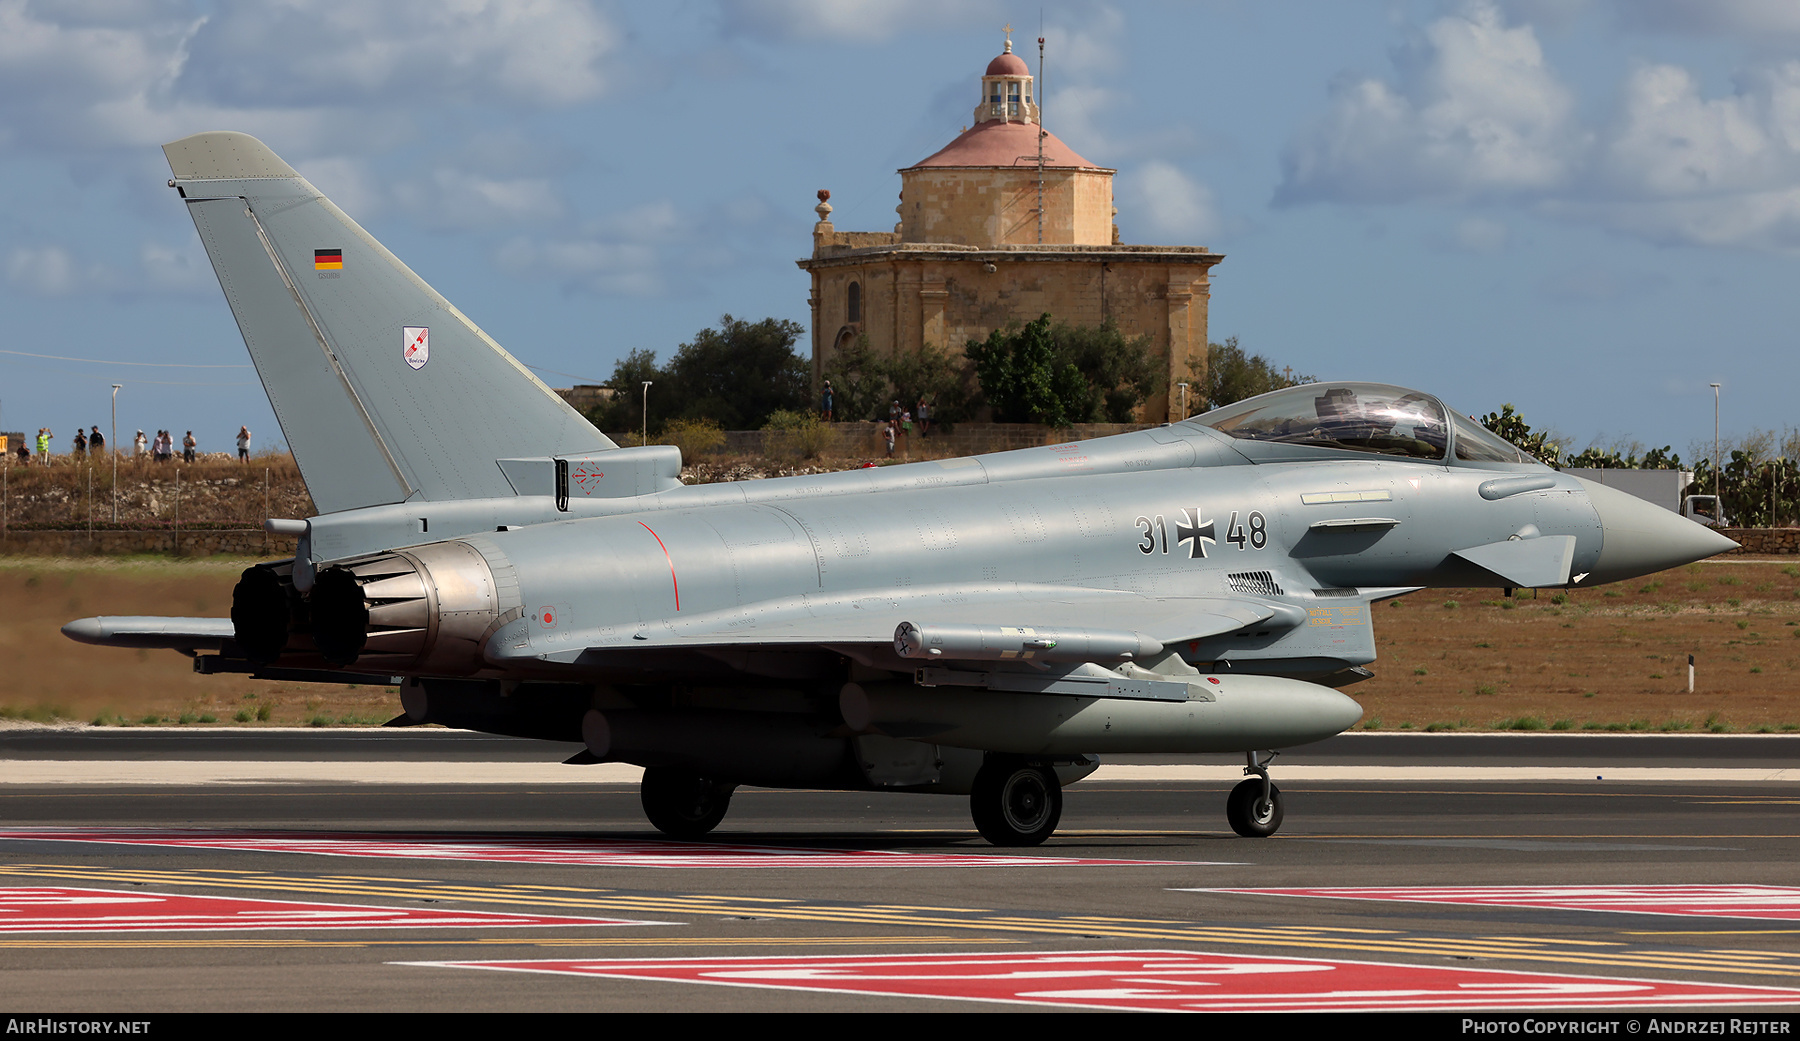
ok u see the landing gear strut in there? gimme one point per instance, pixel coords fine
(1015, 803)
(683, 805)
(1254, 806)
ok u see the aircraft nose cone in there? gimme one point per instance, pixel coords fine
(1640, 538)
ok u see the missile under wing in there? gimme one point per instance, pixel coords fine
(986, 626)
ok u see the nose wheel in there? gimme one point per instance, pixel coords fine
(683, 805)
(1015, 803)
(1254, 806)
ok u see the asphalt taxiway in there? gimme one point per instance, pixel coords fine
(1621, 870)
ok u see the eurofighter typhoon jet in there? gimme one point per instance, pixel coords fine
(986, 626)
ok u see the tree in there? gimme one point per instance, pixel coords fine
(1058, 374)
(859, 381)
(1119, 373)
(1232, 376)
(624, 410)
(1016, 368)
(931, 373)
(736, 375)
(733, 376)
(1512, 426)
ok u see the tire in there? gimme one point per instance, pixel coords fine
(1246, 817)
(683, 805)
(1015, 804)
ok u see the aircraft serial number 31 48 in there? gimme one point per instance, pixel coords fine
(987, 626)
(1195, 535)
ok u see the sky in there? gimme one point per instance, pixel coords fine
(1587, 208)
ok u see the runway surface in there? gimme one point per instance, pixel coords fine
(378, 888)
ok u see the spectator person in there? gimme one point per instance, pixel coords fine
(80, 451)
(243, 443)
(159, 449)
(96, 441)
(43, 445)
(139, 446)
(825, 402)
(924, 415)
(188, 444)
(24, 451)
(894, 412)
(887, 432)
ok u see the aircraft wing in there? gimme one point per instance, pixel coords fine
(872, 618)
(180, 634)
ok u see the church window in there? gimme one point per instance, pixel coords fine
(853, 302)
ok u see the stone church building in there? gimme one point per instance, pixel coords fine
(994, 230)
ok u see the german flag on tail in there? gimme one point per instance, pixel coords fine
(328, 260)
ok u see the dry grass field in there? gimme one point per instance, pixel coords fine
(1610, 657)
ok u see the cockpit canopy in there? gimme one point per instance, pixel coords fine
(1362, 417)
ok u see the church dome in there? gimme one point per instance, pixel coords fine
(1008, 64)
(1004, 144)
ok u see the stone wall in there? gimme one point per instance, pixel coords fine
(247, 542)
(1764, 541)
(911, 295)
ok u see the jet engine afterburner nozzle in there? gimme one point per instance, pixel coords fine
(260, 614)
(425, 609)
(340, 615)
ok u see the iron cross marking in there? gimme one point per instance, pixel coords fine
(1195, 533)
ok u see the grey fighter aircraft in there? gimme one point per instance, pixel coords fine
(985, 626)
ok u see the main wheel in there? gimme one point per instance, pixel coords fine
(1249, 815)
(683, 805)
(1015, 804)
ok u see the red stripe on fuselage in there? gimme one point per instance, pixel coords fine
(672, 583)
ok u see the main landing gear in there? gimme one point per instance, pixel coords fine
(1014, 802)
(683, 805)
(1254, 806)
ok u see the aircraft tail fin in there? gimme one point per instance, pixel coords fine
(384, 390)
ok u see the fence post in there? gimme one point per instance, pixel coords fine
(265, 525)
(177, 543)
(90, 470)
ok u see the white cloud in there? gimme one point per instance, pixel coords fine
(166, 269)
(1670, 142)
(1480, 235)
(52, 270)
(1476, 112)
(1174, 207)
(864, 21)
(534, 52)
(652, 249)
(457, 199)
(1752, 20)
(306, 72)
(596, 266)
(44, 270)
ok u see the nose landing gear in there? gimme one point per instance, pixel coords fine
(1254, 806)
